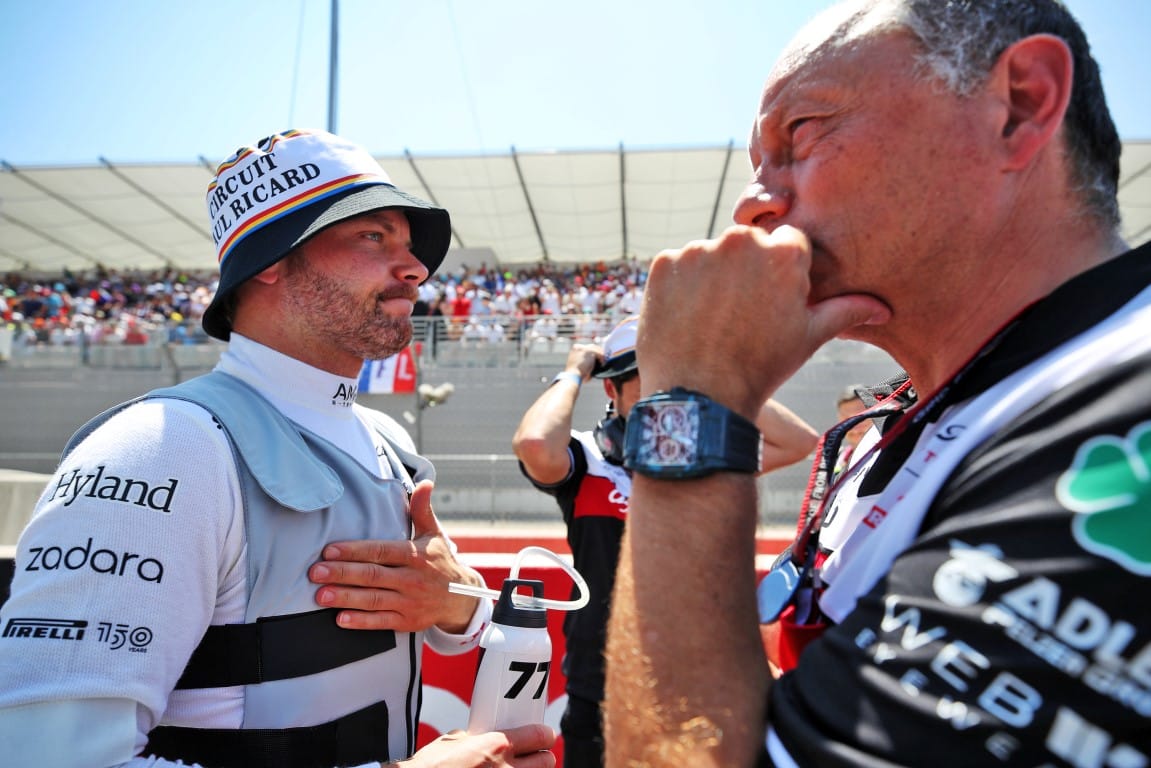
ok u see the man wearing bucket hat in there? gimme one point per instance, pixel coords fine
(162, 605)
(585, 473)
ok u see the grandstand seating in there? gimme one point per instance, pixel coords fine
(49, 391)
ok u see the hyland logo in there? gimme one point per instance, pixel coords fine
(46, 629)
(140, 493)
(101, 561)
(1109, 485)
(345, 395)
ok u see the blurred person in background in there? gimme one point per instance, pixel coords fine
(584, 471)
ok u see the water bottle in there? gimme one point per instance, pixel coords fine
(511, 687)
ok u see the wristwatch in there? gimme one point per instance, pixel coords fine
(682, 434)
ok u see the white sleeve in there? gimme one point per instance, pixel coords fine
(447, 644)
(117, 576)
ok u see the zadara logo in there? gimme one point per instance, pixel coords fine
(1109, 485)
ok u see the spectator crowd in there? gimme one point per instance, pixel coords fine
(470, 305)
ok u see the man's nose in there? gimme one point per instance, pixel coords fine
(761, 205)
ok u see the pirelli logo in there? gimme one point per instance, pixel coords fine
(46, 629)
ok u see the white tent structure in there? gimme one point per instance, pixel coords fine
(561, 206)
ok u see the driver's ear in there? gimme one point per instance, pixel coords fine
(609, 389)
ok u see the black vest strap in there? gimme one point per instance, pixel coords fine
(354, 739)
(277, 648)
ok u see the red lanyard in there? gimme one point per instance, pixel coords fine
(777, 589)
(819, 482)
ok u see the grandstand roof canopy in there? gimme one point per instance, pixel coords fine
(565, 206)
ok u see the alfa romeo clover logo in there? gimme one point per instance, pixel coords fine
(1109, 485)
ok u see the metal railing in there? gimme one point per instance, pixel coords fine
(495, 377)
(477, 340)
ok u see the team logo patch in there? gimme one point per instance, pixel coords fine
(345, 395)
(1109, 486)
(962, 580)
(46, 629)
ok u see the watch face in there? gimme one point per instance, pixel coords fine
(670, 433)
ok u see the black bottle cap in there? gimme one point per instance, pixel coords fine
(511, 615)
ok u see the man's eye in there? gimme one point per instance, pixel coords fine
(804, 133)
(796, 126)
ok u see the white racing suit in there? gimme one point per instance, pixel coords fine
(161, 605)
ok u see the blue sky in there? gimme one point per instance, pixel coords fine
(173, 80)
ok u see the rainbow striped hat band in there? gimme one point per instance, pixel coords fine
(269, 198)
